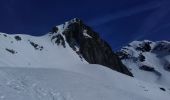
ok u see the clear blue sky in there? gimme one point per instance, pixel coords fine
(117, 21)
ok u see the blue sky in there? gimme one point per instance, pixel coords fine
(117, 21)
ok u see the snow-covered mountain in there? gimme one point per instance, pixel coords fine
(70, 43)
(71, 62)
(147, 60)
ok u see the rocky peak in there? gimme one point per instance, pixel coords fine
(88, 44)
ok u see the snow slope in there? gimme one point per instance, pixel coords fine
(47, 52)
(85, 82)
(155, 55)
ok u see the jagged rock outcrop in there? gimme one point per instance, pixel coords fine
(91, 47)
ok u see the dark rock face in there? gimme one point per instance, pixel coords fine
(145, 47)
(123, 54)
(36, 46)
(163, 89)
(92, 47)
(54, 30)
(150, 69)
(18, 38)
(59, 40)
(147, 68)
(11, 51)
(141, 58)
(168, 67)
(162, 46)
(5, 35)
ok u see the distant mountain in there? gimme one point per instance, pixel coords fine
(148, 60)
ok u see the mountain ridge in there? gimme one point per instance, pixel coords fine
(74, 34)
(148, 58)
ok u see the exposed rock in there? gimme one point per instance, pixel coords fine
(141, 58)
(94, 49)
(59, 40)
(123, 54)
(36, 46)
(18, 38)
(54, 29)
(5, 35)
(163, 89)
(147, 68)
(145, 47)
(150, 69)
(168, 67)
(11, 51)
(162, 46)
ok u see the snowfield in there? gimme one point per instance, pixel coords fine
(87, 82)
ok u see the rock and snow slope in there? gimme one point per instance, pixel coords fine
(149, 61)
(71, 43)
(56, 67)
(34, 51)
